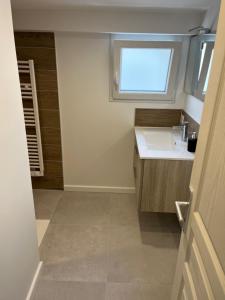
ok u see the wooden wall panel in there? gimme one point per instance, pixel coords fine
(157, 117)
(41, 48)
(163, 118)
(48, 100)
(46, 80)
(44, 57)
(193, 125)
(35, 39)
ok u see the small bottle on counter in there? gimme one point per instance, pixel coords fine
(192, 142)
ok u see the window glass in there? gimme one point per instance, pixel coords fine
(144, 70)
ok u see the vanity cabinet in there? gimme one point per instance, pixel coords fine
(161, 182)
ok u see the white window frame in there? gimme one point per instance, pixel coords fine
(170, 95)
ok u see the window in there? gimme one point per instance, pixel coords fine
(145, 70)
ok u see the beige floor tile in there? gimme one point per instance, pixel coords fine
(72, 241)
(126, 266)
(41, 226)
(93, 269)
(135, 291)
(158, 222)
(123, 291)
(161, 239)
(45, 202)
(129, 260)
(58, 290)
(72, 252)
(82, 208)
(96, 237)
(160, 261)
(123, 210)
(124, 248)
(123, 236)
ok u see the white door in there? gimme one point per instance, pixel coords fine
(200, 272)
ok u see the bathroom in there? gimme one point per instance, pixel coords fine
(112, 161)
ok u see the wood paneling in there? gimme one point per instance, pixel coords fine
(163, 118)
(52, 152)
(164, 182)
(157, 117)
(41, 48)
(193, 125)
(49, 118)
(44, 58)
(46, 80)
(46, 182)
(51, 136)
(48, 100)
(35, 39)
(53, 168)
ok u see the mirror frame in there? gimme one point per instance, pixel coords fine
(194, 84)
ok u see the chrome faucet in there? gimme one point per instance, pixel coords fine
(184, 130)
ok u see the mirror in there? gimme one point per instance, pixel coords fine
(199, 64)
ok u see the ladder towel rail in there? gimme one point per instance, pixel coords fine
(31, 116)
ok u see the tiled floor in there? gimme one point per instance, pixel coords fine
(98, 248)
(45, 203)
(42, 226)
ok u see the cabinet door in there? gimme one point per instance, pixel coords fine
(164, 182)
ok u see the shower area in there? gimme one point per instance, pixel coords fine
(38, 81)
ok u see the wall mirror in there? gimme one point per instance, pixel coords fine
(199, 65)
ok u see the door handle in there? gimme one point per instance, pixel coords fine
(182, 212)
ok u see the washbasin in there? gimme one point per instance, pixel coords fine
(161, 140)
(161, 143)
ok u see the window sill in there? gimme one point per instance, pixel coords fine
(111, 99)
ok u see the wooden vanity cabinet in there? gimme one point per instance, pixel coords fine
(138, 175)
(161, 182)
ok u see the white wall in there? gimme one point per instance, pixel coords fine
(18, 241)
(108, 21)
(97, 135)
(194, 107)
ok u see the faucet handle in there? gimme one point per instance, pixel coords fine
(184, 123)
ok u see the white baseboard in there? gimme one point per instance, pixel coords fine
(99, 189)
(34, 280)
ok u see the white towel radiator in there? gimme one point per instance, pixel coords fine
(31, 116)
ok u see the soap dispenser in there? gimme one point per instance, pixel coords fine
(192, 142)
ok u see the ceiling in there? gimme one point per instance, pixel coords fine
(70, 4)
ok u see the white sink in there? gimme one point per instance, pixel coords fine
(161, 143)
(157, 139)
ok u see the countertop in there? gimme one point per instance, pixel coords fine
(161, 143)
